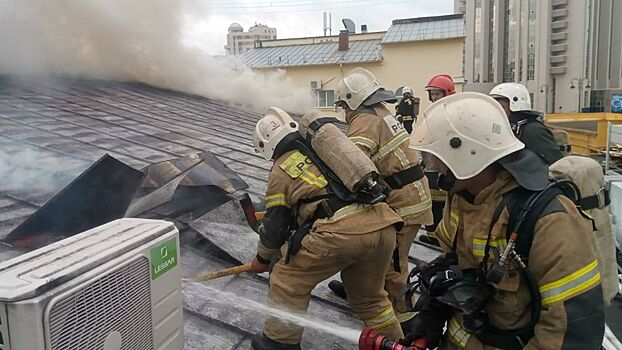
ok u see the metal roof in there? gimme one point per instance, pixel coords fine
(425, 28)
(313, 54)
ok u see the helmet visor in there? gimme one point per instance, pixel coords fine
(421, 136)
(431, 163)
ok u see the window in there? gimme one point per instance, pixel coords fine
(531, 47)
(492, 60)
(509, 42)
(478, 39)
(597, 101)
(325, 98)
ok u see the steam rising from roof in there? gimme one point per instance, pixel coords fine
(138, 40)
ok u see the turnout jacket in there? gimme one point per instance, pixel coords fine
(378, 133)
(536, 136)
(406, 108)
(293, 184)
(561, 260)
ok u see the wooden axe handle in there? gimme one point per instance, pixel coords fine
(222, 273)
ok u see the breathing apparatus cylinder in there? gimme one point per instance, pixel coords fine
(370, 340)
(353, 167)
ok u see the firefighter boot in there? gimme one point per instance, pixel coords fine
(429, 240)
(261, 342)
(338, 289)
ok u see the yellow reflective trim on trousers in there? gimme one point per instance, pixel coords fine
(571, 285)
(312, 179)
(384, 319)
(390, 146)
(479, 245)
(457, 334)
(414, 209)
(439, 193)
(421, 190)
(364, 141)
(406, 316)
(401, 156)
(348, 210)
(276, 200)
(431, 234)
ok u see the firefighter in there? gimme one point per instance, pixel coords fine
(373, 128)
(438, 87)
(526, 123)
(406, 109)
(555, 301)
(356, 240)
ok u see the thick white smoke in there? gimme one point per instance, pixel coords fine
(39, 174)
(138, 40)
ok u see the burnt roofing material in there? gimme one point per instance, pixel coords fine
(61, 126)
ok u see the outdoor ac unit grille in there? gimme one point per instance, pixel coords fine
(119, 301)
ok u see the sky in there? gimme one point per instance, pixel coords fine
(300, 18)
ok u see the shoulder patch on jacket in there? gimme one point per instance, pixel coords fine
(295, 164)
(394, 125)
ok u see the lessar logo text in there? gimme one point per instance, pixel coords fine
(163, 266)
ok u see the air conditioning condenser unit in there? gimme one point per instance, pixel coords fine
(114, 287)
(315, 84)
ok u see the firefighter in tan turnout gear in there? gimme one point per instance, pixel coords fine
(519, 269)
(354, 239)
(378, 133)
(438, 87)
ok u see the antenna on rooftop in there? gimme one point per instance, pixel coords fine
(328, 23)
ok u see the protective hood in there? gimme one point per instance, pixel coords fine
(527, 168)
(381, 95)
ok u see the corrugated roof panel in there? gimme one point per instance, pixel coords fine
(313, 54)
(428, 30)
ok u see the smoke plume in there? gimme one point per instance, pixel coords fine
(35, 174)
(137, 40)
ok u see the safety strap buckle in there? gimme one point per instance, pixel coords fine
(602, 195)
(449, 275)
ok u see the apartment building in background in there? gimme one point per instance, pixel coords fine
(410, 52)
(239, 41)
(567, 52)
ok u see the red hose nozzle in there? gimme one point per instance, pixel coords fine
(370, 340)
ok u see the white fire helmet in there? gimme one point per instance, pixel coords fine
(273, 127)
(516, 93)
(407, 90)
(467, 132)
(356, 87)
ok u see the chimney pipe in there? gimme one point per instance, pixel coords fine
(363, 28)
(344, 40)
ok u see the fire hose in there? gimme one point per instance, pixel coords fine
(371, 340)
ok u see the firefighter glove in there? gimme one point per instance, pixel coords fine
(259, 264)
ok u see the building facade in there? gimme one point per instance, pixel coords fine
(239, 41)
(567, 52)
(409, 53)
